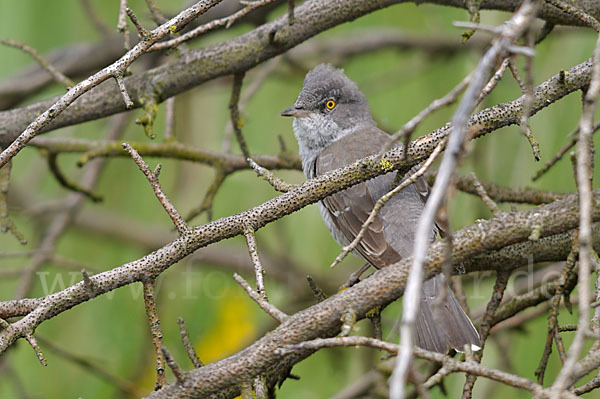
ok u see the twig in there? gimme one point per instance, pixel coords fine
(411, 125)
(577, 13)
(6, 223)
(492, 206)
(450, 365)
(227, 22)
(276, 182)
(157, 336)
(563, 150)
(89, 284)
(187, 344)
(485, 327)
(95, 19)
(512, 30)
(36, 348)
(66, 183)
(291, 5)
(260, 388)
(44, 63)
(82, 361)
(493, 82)
(206, 205)
(152, 177)
(115, 70)
(584, 184)
(567, 284)
(384, 199)
(142, 32)
(527, 89)
(316, 290)
(270, 309)
(122, 24)
(236, 122)
(157, 16)
(259, 272)
(177, 372)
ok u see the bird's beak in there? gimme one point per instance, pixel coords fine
(295, 112)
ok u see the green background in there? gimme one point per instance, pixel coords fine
(111, 331)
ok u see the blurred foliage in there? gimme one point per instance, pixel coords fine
(111, 331)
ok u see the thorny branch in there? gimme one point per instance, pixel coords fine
(507, 236)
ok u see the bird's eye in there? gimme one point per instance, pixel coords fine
(330, 104)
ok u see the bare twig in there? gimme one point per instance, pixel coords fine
(187, 344)
(152, 177)
(492, 206)
(577, 13)
(258, 269)
(36, 348)
(584, 184)
(563, 150)
(157, 15)
(236, 121)
(122, 24)
(411, 125)
(227, 22)
(44, 63)
(485, 327)
(95, 19)
(157, 336)
(512, 30)
(270, 309)
(66, 183)
(450, 365)
(6, 223)
(177, 372)
(115, 70)
(276, 182)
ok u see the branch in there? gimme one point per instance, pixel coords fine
(245, 52)
(116, 70)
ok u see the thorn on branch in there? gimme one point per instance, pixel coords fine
(270, 309)
(178, 221)
(277, 183)
(90, 286)
(187, 344)
(177, 372)
(36, 348)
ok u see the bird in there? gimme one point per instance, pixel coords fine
(333, 125)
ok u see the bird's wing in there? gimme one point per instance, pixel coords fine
(350, 208)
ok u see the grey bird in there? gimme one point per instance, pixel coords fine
(334, 127)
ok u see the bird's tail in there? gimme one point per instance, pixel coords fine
(449, 328)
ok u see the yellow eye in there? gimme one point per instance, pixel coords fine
(330, 104)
